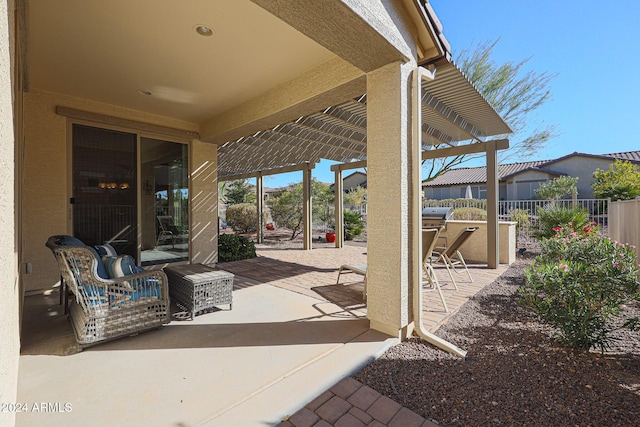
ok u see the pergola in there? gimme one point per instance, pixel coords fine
(451, 110)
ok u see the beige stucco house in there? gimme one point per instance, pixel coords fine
(518, 181)
(116, 112)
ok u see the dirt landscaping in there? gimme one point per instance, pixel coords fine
(515, 373)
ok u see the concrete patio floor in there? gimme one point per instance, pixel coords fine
(292, 334)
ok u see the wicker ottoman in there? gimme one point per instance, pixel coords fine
(196, 287)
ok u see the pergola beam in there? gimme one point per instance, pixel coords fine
(450, 115)
(347, 118)
(348, 166)
(266, 172)
(437, 134)
(333, 133)
(313, 136)
(478, 147)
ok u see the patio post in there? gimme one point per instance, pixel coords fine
(260, 207)
(389, 215)
(203, 234)
(306, 206)
(492, 206)
(338, 188)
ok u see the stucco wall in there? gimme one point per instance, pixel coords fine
(46, 196)
(9, 292)
(474, 250)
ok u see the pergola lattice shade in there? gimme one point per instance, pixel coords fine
(453, 111)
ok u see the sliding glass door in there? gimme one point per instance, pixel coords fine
(150, 223)
(104, 188)
(165, 201)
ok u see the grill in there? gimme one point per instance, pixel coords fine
(436, 217)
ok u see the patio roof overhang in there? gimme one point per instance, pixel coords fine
(453, 111)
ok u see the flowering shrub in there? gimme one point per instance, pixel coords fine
(579, 283)
(554, 216)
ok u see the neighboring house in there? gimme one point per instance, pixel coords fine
(270, 192)
(356, 179)
(518, 181)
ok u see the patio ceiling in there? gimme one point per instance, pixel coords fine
(113, 52)
(108, 51)
(453, 111)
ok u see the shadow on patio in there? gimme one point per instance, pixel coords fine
(274, 352)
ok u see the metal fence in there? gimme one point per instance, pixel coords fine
(526, 212)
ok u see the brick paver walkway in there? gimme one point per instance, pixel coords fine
(351, 404)
(314, 273)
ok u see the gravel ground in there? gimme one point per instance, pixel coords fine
(514, 374)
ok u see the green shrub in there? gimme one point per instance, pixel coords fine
(242, 217)
(232, 247)
(579, 283)
(521, 217)
(619, 192)
(620, 182)
(353, 224)
(470, 214)
(555, 216)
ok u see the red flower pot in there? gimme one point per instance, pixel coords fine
(331, 237)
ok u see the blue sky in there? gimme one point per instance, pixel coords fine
(592, 46)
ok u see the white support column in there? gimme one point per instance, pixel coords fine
(338, 188)
(493, 249)
(260, 207)
(307, 207)
(389, 216)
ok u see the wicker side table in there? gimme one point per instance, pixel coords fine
(196, 287)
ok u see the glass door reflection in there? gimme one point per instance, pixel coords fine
(164, 201)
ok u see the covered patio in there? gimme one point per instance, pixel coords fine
(129, 111)
(292, 334)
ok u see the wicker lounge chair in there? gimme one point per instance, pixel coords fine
(106, 308)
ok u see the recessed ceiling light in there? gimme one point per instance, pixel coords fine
(145, 92)
(204, 30)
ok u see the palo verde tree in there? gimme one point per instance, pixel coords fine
(355, 196)
(557, 188)
(287, 208)
(514, 93)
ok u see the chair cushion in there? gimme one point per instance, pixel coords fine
(119, 266)
(69, 241)
(102, 271)
(124, 265)
(106, 250)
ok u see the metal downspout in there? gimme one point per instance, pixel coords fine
(418, 74)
